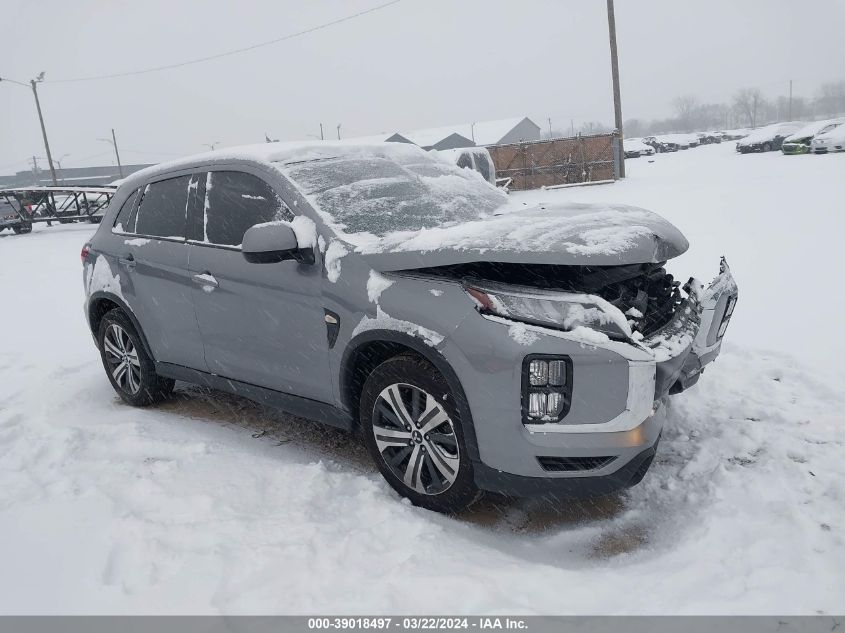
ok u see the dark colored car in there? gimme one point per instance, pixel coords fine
(767, 139)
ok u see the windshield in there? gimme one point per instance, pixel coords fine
(382, 190)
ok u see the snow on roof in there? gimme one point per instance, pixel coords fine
(811, 129)
(634, 144)
(483, 132)
(768, 132)
(265, 153)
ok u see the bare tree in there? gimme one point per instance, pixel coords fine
(686, 107)
(634, 128)
(831, 99)
(749, 103)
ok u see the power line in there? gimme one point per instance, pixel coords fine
(236, 51)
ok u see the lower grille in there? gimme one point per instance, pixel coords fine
(573, 464)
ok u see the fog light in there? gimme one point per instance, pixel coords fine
(538, 373)
(554, 404)
(537, 405)
(557, 373)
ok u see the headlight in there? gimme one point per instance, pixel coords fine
(560, 310)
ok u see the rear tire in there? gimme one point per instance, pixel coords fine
(767, 147)
(129, 368)
(413, 432)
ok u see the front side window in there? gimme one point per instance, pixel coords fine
(236, 201)
(163, 208)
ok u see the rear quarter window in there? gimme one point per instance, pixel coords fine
(125, 220)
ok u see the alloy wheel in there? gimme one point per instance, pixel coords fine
(416, 438)
(122, 358)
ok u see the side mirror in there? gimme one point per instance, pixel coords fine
(274, 242)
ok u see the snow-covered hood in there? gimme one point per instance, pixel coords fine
(568, 234)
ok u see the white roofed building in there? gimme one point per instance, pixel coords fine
(482, 133)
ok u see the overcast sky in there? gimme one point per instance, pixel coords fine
(418, 63)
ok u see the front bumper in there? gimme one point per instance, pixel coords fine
(795, 148)
(616, 414)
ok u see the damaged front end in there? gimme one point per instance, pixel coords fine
(680, 327)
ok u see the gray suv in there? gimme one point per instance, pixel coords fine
(475, 343)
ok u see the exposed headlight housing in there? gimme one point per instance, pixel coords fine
(559, 310)
(546, 388)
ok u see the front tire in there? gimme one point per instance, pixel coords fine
(129, 368)
(413, 431)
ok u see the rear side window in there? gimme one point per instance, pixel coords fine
(163, 208)
(235, 201)
(125, 220)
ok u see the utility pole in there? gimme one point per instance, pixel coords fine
(116, 153)
(472, 132)
(572, 127)
(550, 127)
(322, 138)
(34, 84)
(338, 131)
(617, 97)
(789, 118)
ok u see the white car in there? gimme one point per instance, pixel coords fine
(831, 141)
(634, 148)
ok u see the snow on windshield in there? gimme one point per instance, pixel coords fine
(382, 189)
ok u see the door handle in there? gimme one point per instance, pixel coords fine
(206, 280)
(128, 261)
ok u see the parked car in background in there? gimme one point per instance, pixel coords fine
(768, 138)
(708, 138)
(681, 141)
(832, 140)
(635, 147)
(475, 158)
(735, 135)
(660, 144)
(475, 343)
(800, 141)
(8, 215)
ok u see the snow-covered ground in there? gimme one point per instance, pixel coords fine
(211, 504)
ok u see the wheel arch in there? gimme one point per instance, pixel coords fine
(369, 349)
(100, 303)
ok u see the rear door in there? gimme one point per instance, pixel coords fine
(262, 324)
(152, 261)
